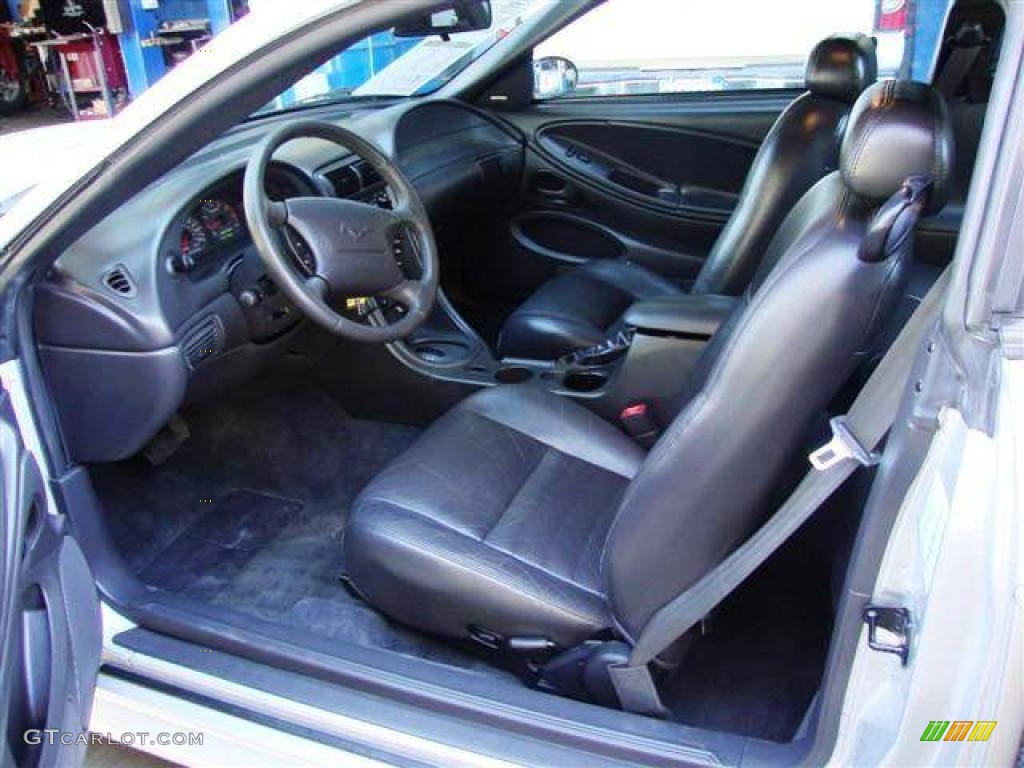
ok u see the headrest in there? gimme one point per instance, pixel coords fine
(842, 67)
(898, 129)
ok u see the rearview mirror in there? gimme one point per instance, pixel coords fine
(554, 76)
(463, 16)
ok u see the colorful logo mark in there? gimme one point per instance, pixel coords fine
(958, 730)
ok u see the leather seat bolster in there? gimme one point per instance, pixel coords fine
(801, 148)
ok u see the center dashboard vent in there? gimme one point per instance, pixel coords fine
(203, 342)
(119, 280)
(345, 180)
(351, 179)
(367, 173)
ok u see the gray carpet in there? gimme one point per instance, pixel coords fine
(248, 514)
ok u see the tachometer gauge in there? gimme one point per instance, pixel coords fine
(193, 239)
(221, 220)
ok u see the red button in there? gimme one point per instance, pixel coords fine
(634, 411)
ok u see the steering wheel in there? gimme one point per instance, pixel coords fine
(351, 245)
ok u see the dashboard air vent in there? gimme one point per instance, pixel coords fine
(119, 280)
(367, 173)
(203, 342)
(345, 180)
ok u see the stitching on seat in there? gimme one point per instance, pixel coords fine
(546, 444)
(888, 95)
(549, 451)
(443, 524)
(941, 171)
(393, 536)
(586, 545)
(526, 481)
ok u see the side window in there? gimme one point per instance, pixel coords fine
(641, 47)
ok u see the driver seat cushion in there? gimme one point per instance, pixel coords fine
(579, 308)
(458, 532)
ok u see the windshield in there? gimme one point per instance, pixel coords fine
(385, 66)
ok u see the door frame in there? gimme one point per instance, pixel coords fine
(50, 627)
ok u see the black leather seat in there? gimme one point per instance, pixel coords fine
(584, 305)
(470, 503)
(523, 514)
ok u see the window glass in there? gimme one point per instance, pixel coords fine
(627, 47)
(383, 65)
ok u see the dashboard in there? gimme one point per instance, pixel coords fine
(167, 300)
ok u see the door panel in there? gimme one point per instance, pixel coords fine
(670, 169)
(50, 622)
(652, 180)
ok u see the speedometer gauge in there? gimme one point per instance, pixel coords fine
(193, 239)
(221, 220)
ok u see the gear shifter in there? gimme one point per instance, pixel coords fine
(601, 354)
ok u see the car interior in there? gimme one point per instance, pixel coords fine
(555, 363)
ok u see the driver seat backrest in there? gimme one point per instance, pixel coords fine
(830, 277)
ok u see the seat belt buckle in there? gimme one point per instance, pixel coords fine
(637, 421)
(843, 445)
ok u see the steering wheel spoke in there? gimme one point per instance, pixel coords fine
(317, 287)
(404, 218)
(406, 293)
(277, 213)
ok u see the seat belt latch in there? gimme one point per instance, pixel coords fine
(843, 445)
(638, 422)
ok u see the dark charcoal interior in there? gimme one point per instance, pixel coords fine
(230, 440)
(247, 517)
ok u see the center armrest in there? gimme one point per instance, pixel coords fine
(687, 315)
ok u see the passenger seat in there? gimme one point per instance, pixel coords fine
(583, 306)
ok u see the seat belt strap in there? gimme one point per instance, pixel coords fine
(854, 440)
(967, 42)
(956, 69)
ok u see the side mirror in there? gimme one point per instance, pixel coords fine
(554, 76)
(463, 16)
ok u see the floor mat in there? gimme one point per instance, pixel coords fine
(220, 543)
(249, 513)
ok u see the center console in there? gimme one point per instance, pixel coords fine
(646, 359)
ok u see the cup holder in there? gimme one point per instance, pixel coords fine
(443, 352)
(584, 381)
(513, 374)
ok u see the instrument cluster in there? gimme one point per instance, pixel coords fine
(212, 228)
(213, 224)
